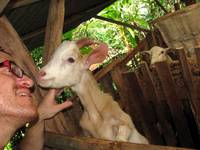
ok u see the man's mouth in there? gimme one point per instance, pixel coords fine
(24, 93)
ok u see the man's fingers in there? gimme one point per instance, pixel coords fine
(64, 105)
(59, 91)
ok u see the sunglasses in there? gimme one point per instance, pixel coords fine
(13, 68)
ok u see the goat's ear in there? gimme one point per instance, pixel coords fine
(146, 52)
(97, 55)
(167, 49)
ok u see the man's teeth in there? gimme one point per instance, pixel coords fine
(23, 94)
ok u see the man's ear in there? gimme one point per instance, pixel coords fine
(96, 56)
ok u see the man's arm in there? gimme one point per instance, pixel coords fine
(34, 139)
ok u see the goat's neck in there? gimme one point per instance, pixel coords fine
(89, 93)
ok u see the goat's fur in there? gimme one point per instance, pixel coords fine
(102, 116)
(158, 54)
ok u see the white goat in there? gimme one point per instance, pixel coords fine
(158, 54)
(102, 116)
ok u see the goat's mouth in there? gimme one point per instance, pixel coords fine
(45, 82)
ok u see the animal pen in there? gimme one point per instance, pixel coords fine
(163, 100)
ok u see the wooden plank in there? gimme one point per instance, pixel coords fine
(19, 3)
(107, 69)
(174, 103)
(11, 43)
(140, 106)
(3, 4)
(184, 94)
(107, 84)
(151, 95)
(179, 12)
(191, 84)
(53, 36)
(186, 69)
(63, 142)
(54, 29)
(117, 78)
(133, 26)
(197, 52)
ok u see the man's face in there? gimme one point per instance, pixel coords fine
(15, 97)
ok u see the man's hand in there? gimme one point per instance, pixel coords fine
(49, 108)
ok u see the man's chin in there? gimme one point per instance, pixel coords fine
(31, 117)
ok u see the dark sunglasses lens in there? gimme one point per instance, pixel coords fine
(16, 70)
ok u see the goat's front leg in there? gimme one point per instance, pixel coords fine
(124, 132)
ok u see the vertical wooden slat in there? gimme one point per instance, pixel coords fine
(173, 101)
(125, 100)
(107, 84)
(192, 85)
(184, 94)
(54, 28)
(3, 4)
(53, 37)
(117, 77)
(151, 95)
(141, 107)
(197, 52)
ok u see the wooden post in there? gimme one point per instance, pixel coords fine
(197, 51)
(54, 28)
(140, 110)
(192, 85)
(53, 37)
(107, 84)
(3, 4)
(152, 96)
(116, 75)
(174, 103)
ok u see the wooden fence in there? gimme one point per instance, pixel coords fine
(163, 100)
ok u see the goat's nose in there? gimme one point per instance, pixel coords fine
(42, 73)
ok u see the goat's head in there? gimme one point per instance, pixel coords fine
(67, 65)
(157, 54)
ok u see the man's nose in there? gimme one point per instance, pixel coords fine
(25, 82)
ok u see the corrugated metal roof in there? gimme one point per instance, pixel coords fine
(30, 20)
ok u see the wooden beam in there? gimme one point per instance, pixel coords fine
(3, 4)
(63, 142)
(53, 37)
(54, 27)
(19, 3)
(174, 103)
(84, 15)
(134, 27)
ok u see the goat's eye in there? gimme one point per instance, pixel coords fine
(162, 52)
(71, 60)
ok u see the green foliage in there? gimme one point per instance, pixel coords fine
(17, 137)
(85, 50)
(122, 39)
(8, 146)
(37, 56)
(67, 93)
(67, 35)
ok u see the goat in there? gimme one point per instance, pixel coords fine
(102, 116)
(158, 54)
